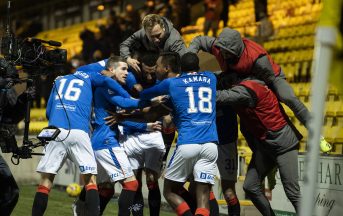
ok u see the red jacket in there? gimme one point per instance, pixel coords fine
(265, 116)
(252, 51)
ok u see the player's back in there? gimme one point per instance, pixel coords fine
(69, 105)
(193, 96)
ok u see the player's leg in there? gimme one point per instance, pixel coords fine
(105, 189)
(188, 197)
(154, 196)
(153, 168)
(285, 94)
(127, 195)
(213, 204)
(40, 201)
(135, 155)
(106, 192)
(288, 168)
(204, 173)
(55, 154)
(260, 165)
(81, 153)
(115, 162)
(227, 166)
(92, 202)
(229, 192)
(170, 193)
(179, 168)
(202, 198)
(138, 202)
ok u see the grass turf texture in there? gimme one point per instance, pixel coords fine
(59, 203)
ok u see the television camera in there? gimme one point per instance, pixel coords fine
(36, 57)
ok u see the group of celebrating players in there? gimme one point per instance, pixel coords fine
(135, 102)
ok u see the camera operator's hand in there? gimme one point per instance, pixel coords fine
(28, 94)
(31, 92)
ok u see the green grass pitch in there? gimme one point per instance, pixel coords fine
(59, 204)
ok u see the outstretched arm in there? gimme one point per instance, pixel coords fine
(236, 96)
(160, 89)
(203, 43)
(101, 80)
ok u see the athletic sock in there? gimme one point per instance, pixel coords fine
(138, 204)
(202, 212)
(126, 197)
(92, 200)
(214, 208)
(183, 210)
(105, 195)
(41, 201)
(234, 208)
(186, 196)
(82, 195)
(154, 199)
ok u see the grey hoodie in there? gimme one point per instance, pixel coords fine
(172, 42)
(230, 40)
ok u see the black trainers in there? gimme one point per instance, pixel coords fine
(78, 207)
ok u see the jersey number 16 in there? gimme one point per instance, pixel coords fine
(204, 103)
(72, 91)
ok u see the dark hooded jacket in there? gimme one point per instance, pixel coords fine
(138, 41)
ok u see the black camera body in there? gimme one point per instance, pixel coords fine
(36, 57)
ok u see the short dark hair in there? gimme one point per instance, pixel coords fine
(171, 59)
(113, 61)
(149, 58)
(189, 62)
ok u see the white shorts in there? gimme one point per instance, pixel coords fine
(228, 161)
(197, 159)
(145, 150)
(77, 147)
(114, 163)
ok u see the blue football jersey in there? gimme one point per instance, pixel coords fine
(193, 98)
(105, 136)
(70, 101)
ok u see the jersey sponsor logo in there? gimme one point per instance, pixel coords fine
(68, 107)
(206, 176)
(110, 91)
(86, 168)
(102, 63)
(197, 79)
(83, 74)
(201, 122)
(114, 175)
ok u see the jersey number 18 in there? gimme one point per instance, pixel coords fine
(204, 103)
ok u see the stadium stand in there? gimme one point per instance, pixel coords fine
(291, 46)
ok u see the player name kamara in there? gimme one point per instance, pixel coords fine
(197, 79)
